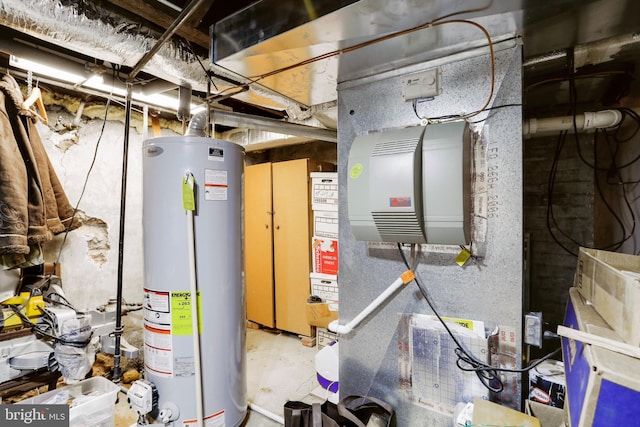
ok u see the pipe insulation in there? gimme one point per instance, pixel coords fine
(583, 122)
(114, 40)
(100, 36)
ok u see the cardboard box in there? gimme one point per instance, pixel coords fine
(611, 282)
(486, 413)
(603, 387)
(324, 191)
(548, 416)
(325, 255)
(320, 314)
(325, 286)
(325, 224)
(325, 337)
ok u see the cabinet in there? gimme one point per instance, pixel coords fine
(278, 243)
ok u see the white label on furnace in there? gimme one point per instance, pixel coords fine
(215, 184)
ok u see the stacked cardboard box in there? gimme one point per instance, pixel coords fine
(611, 282)
(600, 350)
(324, 278)
(603, 386)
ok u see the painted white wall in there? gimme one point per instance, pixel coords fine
(89, 257)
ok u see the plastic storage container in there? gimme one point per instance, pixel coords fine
(92, 402)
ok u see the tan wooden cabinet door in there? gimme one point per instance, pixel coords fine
(258, 240)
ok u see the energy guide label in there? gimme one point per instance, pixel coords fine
(215, 184)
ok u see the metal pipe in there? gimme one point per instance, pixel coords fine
(198, 124)
(233, 119)
(117, 333)
(185, 15)
(181, 19)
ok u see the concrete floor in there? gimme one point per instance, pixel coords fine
(279, 368)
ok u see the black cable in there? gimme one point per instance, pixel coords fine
(627, 112)
(206, 72)
(551, 219)
(550, 189)
(634, 116)
(618, 244)
(494, 108)
(39, 331)
(460, 116)
(487, 374)
(63, 303)
(24, 305)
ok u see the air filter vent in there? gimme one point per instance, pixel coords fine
(395, 147)
(392, 225)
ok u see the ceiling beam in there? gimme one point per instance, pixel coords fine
(195, 19)
(149, 11)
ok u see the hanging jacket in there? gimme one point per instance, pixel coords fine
(33, 205)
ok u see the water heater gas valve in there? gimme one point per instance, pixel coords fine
(142, 397)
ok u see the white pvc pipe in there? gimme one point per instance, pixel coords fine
(194, 310)
(334, 326)
(268, 414)
(584, 121)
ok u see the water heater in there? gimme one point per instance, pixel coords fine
(217, 167)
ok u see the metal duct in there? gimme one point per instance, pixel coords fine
(240, 120)
(198, 124)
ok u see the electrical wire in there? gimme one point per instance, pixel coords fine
(550, 217)
(35, 328)
(487, 374)
(86, 180)
(22, 307)
(551, 221)
(206, 72)
(497, 107)
(626, 236)
(454, 117)
(64, 302)
(601, 74)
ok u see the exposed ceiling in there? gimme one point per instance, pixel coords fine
(254, 43)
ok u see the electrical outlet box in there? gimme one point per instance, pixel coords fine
(425, 84)
(533, 332)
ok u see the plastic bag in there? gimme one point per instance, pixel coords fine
(73, 353)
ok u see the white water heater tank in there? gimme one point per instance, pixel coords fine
(217, 167)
